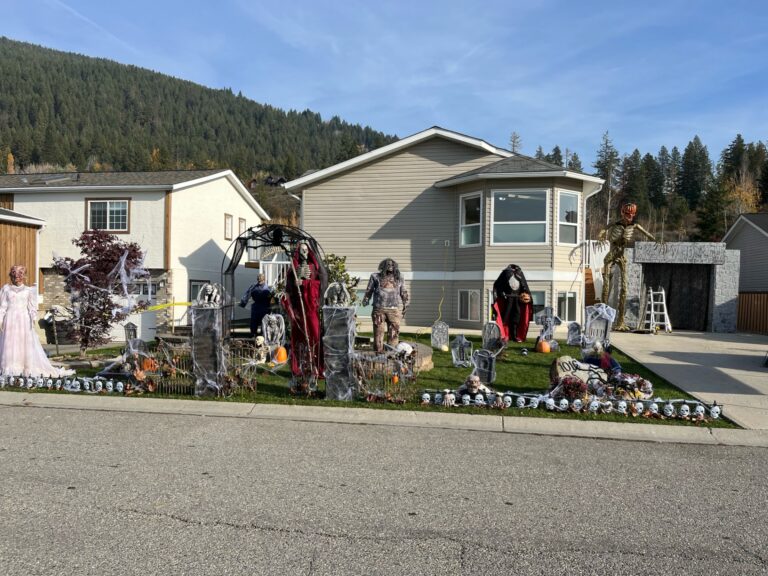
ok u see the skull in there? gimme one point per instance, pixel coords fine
(669, 410)
(466, 400)
(654, 408)
(714, 412)
(699, 411)
(259, 341)
(608, 407)
(119, 387)
(109, 386)
(685, 411)
(86, 385)
(29, 383)
(98, 386)
(550, 404)
(2, 381)
(534, 403)
(492, 398)
(303, 250)
(49, 383)
(639, 408)
(563, 406)
(438, 398)
(594, 406)
(507, 400)
(40, 383)
(520, 402)
(577, 405)
(479, 400)
(58, 384)
(76, 385)
(621, 408)
(425, 398)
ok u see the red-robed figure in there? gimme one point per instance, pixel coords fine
(304, 288)
(513, 305)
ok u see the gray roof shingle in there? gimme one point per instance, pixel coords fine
(758, 219)
(96, 179)
(517, 164)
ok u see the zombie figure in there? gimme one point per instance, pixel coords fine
(513, 305)
(304, 288)
(20, 350)
(390, 301)
(619, 234)
(261, 295)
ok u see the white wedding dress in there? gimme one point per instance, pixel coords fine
(21, 353)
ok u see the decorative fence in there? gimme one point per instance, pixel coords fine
(753, 312)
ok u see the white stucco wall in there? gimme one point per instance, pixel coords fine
(198, 244)
(64, 213)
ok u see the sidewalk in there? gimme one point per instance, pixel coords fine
(401, 418)
(727, 368)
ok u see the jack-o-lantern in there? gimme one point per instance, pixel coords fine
(281, 355)
(543, 347)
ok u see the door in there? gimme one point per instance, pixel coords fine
(687, 292)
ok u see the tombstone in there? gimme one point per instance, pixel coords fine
(440, 336)
(338, 349)
(207, 346)
(492, 337)
(597, 327)
(574, 334)
(461, 352)
(548, 321)
(484, 362)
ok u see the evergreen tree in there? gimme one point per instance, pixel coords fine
(515, 142)
(672, 176)
(574, 163)
(555, 157)
(607, 167)
(540, 154)
(634, 186)
(696, 172)
(734, 158)
(762, 183)
(654, 179)
(712, 214)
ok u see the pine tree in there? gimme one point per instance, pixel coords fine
(607, 167)
(654, 178)
(696, 172)
(555, 157)
(540, 154)
(712, 214)
(574, 163)
(634, 185)
(515, 142)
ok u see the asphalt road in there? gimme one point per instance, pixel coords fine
(85, 492)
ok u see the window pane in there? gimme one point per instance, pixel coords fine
(118, 215)
(363, 311)
(569, 208)
(567, 234)
(463, 304)
(470, 235)
(519, 232)
(538, 297)
(474, 305)
(471, 210)
(519, 207)
(566, 306)
(98, 215)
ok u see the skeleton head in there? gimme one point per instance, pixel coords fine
(594, 406)
(109, 386)
(577, 405)
(714, 412)
(303, 251)
(550, 403)
(425, 398)
(608, 407)
(49, 383)
(98, 386)
(654, 408)
(86, 385)
(259, 341)
(40, 383)
(669, 410)
(473, 383)
(621, 408)
(628, 212)
(699, 411)
(520, 402)
(438, 398)
(57, 385)
(507, 399)
(563, 405)
(119, 387)
(479, 400)
(492, 398)
(639, 408)
(534, 403)
(466, 400)
(685, 411)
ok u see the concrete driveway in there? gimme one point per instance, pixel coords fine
(710, 366)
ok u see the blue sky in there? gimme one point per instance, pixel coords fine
(555, 71)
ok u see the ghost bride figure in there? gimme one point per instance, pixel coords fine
(20, 350)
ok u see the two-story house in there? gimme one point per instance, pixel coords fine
(453, 211)
(184, 220)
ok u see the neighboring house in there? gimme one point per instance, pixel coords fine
(184, 221)
(18, 242)
(453, 211)
(749, 235)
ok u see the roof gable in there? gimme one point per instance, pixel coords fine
(389, 149)
(13, 216)
(758, 221)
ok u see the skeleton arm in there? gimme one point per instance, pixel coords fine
(645, 232)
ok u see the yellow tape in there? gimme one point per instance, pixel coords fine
(168, 305)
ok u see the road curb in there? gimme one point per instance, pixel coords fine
(401, 418)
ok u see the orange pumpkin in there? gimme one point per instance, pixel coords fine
(149, 365)
(281, 355)
(543, 347)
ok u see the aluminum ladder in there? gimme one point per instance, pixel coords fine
(656, 316)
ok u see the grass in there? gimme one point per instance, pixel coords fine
(514, 371)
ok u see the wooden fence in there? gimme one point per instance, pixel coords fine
(753, 312)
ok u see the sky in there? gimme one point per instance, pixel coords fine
(557, 72)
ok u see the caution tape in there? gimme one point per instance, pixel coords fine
(167, 305)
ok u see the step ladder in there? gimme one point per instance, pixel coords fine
(656, 316)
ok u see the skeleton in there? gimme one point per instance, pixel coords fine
(619, 234)
(261, 351)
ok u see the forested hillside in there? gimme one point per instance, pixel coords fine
(93, 114)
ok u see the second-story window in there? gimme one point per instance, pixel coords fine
(109, 215)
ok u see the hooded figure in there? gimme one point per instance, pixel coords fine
(304, 287)
(513, 304)
(386, 289)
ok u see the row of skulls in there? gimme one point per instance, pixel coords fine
(91, 385)
(650, 409)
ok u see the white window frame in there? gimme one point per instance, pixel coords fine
(469, 305)
(576, 305)
(108, 202)
(241, 226)
(547, 211)
(577, 225)
(229, 224)
(461, 219)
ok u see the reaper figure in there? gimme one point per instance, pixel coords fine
(390, 301)
(20, 350)
(513, 305)
(304, 289)
(261, 294)
(619, 234)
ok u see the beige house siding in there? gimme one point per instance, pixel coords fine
(389, 208)
(753, 273)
